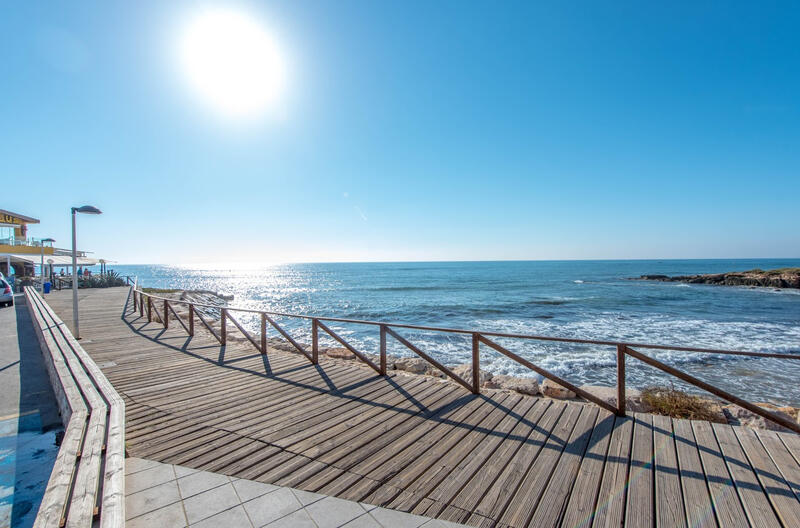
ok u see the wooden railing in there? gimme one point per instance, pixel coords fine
(623, 350)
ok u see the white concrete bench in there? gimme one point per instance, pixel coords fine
(87, 484)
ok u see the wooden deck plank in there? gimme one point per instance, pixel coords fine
(640, 509)
(583, 498)
(696, 498)
(725, 501)
(668, 494)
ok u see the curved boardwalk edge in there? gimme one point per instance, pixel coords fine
(88, 476)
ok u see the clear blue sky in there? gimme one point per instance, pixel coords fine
(413, 131)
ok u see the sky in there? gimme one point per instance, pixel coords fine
(409, 131)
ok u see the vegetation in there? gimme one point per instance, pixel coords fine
(109, 279)
(669, 401)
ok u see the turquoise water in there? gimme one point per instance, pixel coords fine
(576, 299)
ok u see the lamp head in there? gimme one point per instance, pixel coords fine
(86, 209)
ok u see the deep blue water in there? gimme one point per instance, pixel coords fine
(579, 299)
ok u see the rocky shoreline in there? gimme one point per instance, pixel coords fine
(777, 278)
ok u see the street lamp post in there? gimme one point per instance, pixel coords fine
(86, 209)
(41, 265)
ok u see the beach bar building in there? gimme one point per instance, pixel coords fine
(20, 253)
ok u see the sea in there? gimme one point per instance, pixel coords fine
(575, 299)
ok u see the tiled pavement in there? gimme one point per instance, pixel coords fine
(167, 496)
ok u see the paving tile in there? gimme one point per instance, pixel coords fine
(368, 507)
(151, 499)
(182, 471)
(250, 489)
(133, 465)
(331, 512)
(365, 521)
(170, 516)
(232, 518)
(199, 482)
(298, 519)
(210, 502)
(397, 519)
(272, 506)
(148, 478)
(307, 497)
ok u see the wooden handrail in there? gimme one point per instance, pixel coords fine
(534, 337)
(623, 349)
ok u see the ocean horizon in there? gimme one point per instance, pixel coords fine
(582, 299)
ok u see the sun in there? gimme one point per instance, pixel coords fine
(232, 63)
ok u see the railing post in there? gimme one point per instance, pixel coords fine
(191, 320)
(134, 301)
(383, 350)
(149, 309)
(166, 313)
(314, 342)
(223, 331)
(141, 305)
(621, 404)
(476, 365)
(263, 333)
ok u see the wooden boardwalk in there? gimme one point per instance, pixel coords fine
(423, 446)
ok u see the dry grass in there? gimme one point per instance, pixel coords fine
(669, 401)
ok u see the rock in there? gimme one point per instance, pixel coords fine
(390, 362)
(522, 385)
(465, 372)
(413, 365)
(777, 278)
(435, 372)
(551, 389)
(738, 416)
(633, 397)
(340, 353)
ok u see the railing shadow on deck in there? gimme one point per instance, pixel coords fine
(435, 413)
(623, 350)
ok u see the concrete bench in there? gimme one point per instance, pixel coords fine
(87, 483)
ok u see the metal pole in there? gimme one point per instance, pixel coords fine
(75, 322)
(41, 265)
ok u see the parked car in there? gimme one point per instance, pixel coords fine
(6, 294)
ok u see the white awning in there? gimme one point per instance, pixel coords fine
(58, 260)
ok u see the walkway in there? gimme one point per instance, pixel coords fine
(29, 419)
(423, 446)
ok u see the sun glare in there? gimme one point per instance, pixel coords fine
(232, 63)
